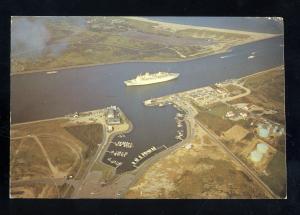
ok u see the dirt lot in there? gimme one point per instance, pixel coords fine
(204, 171)
(36, 191)
(49, 150)
(236, 133)
(27, 160)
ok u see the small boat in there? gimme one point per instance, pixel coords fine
(227, 56)
(51, 72)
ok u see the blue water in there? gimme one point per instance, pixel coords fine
(255, 24)
(39, 96)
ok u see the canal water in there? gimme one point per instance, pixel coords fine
(255, 24)
(39, 96)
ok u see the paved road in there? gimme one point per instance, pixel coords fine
(138, 172)
(91, 164)
(247, 170)
(247, 92)
(121, 183)
(98, 156)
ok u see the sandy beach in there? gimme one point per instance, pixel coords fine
(177, 27)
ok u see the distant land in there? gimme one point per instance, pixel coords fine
(69, 42)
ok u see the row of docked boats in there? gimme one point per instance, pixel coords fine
(143, 155)
(118, 153)
(124, 144)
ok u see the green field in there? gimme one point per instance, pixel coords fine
(215, 123)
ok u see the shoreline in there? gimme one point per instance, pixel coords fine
(189, 119)
(177, 26)
(58, 69)
(259, 37)
(148, 163)
(241, 78)
(143, 168)
(65, 117)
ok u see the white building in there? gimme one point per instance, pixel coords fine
(110, 128)
(113, 115)
(229, 114)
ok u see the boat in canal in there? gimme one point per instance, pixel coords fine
(153, 78)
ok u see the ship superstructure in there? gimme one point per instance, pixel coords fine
(148, 78)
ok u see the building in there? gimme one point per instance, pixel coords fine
(229, 114)
(243, 115)
(110, 128)
(113, 115)
(188, 146)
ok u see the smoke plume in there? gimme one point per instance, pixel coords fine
(28, 37)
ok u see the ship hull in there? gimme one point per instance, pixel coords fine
(139, 83)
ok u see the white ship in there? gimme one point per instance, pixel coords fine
(148, 78)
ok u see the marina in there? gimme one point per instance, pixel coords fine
(139, 109)
(115, 163)
(146, 154)
(102, 86)
(124, 144)
(118, 153)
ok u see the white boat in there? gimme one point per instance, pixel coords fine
(51, 72)
(148, 78)
(226, 56)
